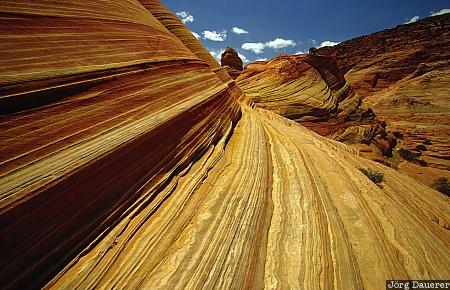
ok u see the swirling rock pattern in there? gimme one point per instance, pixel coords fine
(403, 73)
(95, 124)
(275, 207)
(143, 167)
(178, 29)
(311, 90)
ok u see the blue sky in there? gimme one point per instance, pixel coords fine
(263, 29)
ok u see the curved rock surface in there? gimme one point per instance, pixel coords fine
(95, 124)
(311, 90)
(275, 207)
(404, 75)
(144, 167)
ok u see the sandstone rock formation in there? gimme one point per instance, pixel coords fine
(97, 126)
(404, 75)
(138, 164)
(311, 90)
(231, 61)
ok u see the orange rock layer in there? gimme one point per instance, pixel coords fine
(133, 161)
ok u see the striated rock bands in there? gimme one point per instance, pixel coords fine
(275, 207)
(177, 28)
(106, 121)
(310, 89)
(142, 166)
(378, 60)
(403, 73)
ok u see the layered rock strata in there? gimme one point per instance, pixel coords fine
(376, 61)
(311, 90)
(146, 168)
(404, 74)
(178, 29)
(275, 207)
(90, 127)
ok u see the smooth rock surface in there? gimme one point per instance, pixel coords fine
(277, 207)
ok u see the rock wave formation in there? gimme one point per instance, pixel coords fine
(403, 73)
(135, 161)
(311, 90)
(96, 125)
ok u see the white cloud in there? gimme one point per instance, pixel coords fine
(244, 59)
(258, 47)
(328, 43)
(279, 43)
(261, 59)
(238, 30)
(185, 16)
(440, 12)
(182, 14)
(196, 35)
(412, 20)
(214, 35)
(253, 46)
(300, 52)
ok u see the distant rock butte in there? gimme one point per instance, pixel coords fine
(135, 161)
(231, 61)
(404, 75)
